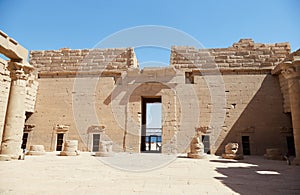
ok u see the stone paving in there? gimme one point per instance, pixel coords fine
(86, 174)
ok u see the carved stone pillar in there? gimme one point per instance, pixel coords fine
(291, 71)
(294, 90)
(15, 115)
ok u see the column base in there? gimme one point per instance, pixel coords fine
(104, 154)
(233, 156)
(13, 152)
(69, 153)
(296, 161)
(4, 157)
(196, 155)
(7, 157)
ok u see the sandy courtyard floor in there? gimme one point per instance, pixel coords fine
(86, 174)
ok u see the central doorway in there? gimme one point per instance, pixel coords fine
(151, 135)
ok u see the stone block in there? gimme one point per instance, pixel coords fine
(273, 154)
(36, 150)
(105, 149)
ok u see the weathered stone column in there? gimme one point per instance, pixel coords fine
(294, 90)
(15, 115)
(291, 71)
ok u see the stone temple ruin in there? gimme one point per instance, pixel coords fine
(248, 93)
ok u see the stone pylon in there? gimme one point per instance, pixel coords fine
(15, 115)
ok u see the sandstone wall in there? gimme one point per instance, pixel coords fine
(253, 107)
(69, 62)
(54, 107)
(242, 55)
(254, 103)
(57, 96)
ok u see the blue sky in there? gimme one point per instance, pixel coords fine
(154, 115)
(82, 24)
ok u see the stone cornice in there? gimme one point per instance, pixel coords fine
(290, 67)
(19, 70)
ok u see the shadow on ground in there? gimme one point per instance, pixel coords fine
(260, 177)
(224, 161)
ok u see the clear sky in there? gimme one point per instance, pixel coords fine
(154, 115)
(82, 24)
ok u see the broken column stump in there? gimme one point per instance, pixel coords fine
(231, 152)
(196, 146)
(105, 149)
(70, 148)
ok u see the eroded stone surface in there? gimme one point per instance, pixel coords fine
(196, 146)
(231, 150)
(37, 150)
(70, 148)
(105, 149)
(289, 77)
(273, 154)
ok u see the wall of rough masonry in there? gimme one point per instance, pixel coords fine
(4, 93)
(257, 113)
(244, 54)
(54, 106)
(58, 70)
(68, 62)
(254, 103)
(253, 107)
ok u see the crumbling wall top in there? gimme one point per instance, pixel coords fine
(67, 61)
(243, 55)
